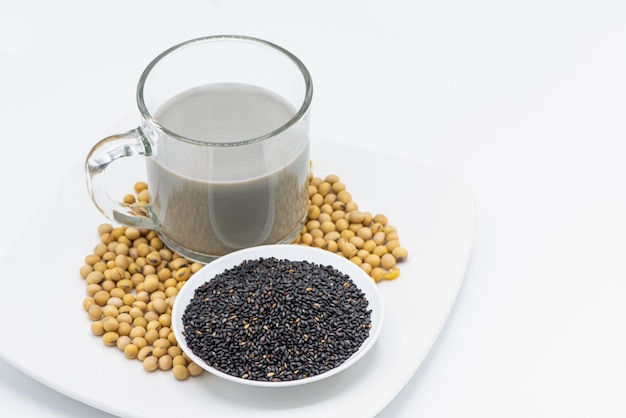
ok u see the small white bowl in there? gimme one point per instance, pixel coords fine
(289, 252)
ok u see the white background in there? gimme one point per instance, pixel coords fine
(526, 100)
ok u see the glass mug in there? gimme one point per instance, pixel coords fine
(224, 134)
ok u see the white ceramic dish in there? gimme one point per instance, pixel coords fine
(288, 252)
(48, 334)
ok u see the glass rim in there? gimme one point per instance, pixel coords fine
(304, 107)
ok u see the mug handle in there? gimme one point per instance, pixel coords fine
(109, 149)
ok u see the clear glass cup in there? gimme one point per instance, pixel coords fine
(224, 134)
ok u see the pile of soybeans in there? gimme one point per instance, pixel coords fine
(132, 278)
(336, 224)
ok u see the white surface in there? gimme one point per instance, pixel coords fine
(294, 253)
(438, 231)
(525, 100)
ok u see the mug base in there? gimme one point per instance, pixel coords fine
(207, 258)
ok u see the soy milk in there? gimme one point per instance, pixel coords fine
(227, 197)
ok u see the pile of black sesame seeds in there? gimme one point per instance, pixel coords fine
(277, 320)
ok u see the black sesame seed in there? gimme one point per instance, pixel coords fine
(277, 320)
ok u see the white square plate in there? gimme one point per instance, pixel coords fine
(47, 335)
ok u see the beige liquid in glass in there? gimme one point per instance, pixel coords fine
(229, 197)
